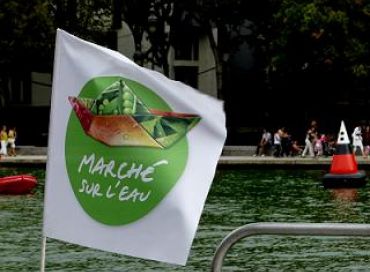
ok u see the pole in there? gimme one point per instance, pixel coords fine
(43, 254)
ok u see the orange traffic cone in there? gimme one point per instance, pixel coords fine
(343, 170)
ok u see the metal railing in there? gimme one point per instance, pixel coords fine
(292, 229)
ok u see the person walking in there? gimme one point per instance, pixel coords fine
(277, 143)
(4, 141)
(310, 136)
(12, 134)
(357, 141)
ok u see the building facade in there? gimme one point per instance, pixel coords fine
(30, 96)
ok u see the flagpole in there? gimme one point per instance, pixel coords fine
(43, 254)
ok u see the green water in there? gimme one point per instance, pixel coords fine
(236, 198)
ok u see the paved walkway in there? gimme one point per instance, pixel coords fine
(232, 157)
(224, 162)
(286, 162)
(25, 160)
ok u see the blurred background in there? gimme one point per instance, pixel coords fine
(275, 63)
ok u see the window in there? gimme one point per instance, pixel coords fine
(19, 90)
(187, 75)
(187, 48)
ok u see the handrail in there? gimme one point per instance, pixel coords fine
(294, 229)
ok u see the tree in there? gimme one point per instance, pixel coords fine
(28, 29)
(26, 43)
(317, 50)
(321, 36)
(26, 34)
(91, 20)
(148, 20)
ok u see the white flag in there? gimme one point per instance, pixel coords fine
(131, 155)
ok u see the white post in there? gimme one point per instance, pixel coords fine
(43, 254)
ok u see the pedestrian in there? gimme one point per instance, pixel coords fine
(357, 140)
(3, 141)
(366, 140)
(12, 134)
(277, 143)
(286, 143)
(310, 137)
(264, 145)
(318, 145)
(296, 149)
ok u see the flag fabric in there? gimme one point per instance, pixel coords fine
(131, 154)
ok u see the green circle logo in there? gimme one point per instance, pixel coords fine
(124, 149)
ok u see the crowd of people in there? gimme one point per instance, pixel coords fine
(7, 140)
(282, 144)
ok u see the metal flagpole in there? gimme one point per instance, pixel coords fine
(43, 254)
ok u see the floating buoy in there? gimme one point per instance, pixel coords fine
(343, 170)
(18, 184)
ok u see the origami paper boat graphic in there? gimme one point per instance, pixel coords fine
(117, 117)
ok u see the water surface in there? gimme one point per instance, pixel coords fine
(236, 198)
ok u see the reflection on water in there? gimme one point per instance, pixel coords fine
(345, 194)
(236, 198)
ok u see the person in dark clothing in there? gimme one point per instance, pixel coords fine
(286, 143)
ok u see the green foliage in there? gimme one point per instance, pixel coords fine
(26, 29)
(85, 18)
(289, 35)
(320, 35)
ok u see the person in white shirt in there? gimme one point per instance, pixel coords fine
(310, 136)
(357, 140)
(277, 143)
(264, 145)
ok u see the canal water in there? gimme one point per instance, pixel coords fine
(236, 198)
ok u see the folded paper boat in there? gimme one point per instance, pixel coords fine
(117, 117)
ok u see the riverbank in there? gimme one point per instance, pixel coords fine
(232, 157)
(284, 163)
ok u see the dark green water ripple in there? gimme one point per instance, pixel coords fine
(236, 198)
